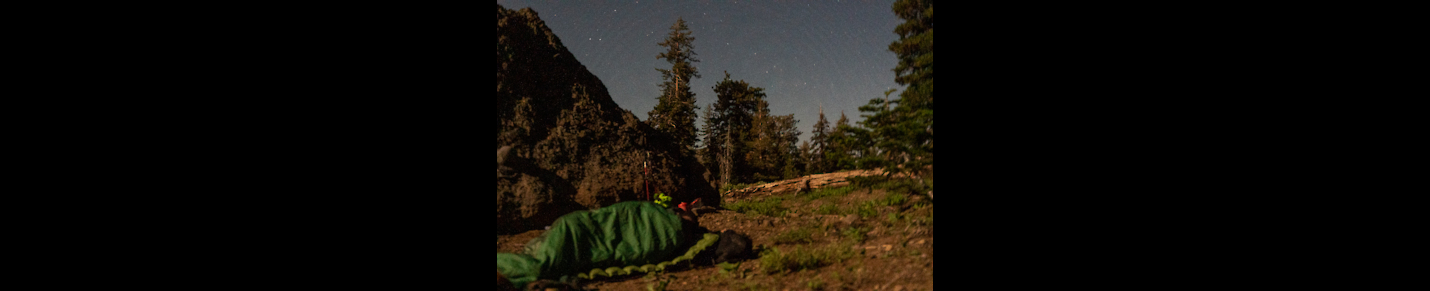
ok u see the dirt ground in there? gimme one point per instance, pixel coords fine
(896, 253)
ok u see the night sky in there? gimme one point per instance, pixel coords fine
(804, 53)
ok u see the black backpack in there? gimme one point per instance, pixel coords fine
(733, 247)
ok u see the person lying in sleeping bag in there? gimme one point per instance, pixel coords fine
(632, 233)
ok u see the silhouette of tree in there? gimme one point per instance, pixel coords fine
(819, 141)
(904, 133)
(675, 113)
(845, 140)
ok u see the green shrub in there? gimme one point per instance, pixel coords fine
(903, 186)
(866, 181)
(769, 207)
(776, 261)
(828, 192)
(794, 236)
(868, 209)
(733, 271)
(894, 199)
(727, 267)
(827, 209)
(893, 218)
(815, 284)
(854, 234)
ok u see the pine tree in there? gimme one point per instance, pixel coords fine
(675, 113)
(907, 134)
(786, 146)
(750, 143)
(819, 142)
(879, 138)
(915, 52)
(772, 144)
(708, 132)
(806, 156)
(842, 144)
(761, 156)
(737, 105)
(714, 144)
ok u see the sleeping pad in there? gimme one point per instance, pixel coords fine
(622, 234)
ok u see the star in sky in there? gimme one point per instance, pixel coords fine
(840, 48)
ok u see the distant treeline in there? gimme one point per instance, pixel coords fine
(740, 141)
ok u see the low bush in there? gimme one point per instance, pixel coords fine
(894, 199)
(800, 258)
(828, 192)
(796, 236)
(815, 284)
(903, 186)
(868, 209)
(828, 209)
(866, 181)
(729, 270)
(854, 234)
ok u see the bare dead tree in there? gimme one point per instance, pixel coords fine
(726, 160)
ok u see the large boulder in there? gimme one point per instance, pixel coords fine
(568, 146)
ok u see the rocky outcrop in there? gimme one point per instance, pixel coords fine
(568, 145)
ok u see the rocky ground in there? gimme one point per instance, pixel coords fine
(830, 235)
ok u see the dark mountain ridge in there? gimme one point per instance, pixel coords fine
(563, 143)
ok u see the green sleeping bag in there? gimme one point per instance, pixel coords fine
(634, 233)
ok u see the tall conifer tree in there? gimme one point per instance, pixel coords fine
(675, 113)
(819, 141)
(901, 128)
(736, 106)
(842, 145)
